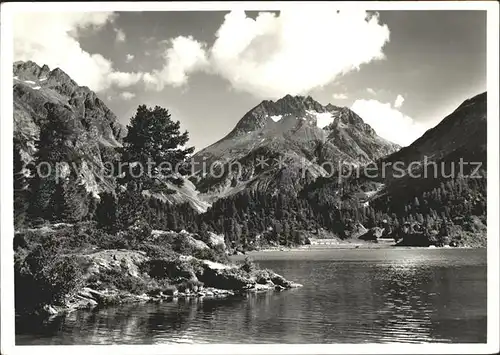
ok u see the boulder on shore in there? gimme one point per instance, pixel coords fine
(373, 234)
(225, 278)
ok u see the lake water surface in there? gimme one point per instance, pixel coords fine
(349, 296)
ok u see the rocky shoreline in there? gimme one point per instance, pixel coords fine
(208, 280)
(88, 298)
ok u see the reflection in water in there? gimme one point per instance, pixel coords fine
(409, 296)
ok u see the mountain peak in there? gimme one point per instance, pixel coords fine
(31, 73)
(289, 105)
(60, 76)
(479, 98)
(56, 87)
(269, 110)
(329, 107)
(292, 112)
(299, 107)
(298, 128)
(29, 70)
(297, 104)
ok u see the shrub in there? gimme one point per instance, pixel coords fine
(220, 256)
(251, 247)
(132, 238)
(248, 265)
(65, 238)
(111, 241)
(116, 278)
(228, 279)
(63, 277)
(157, 251)
(262, 276)
(139, 232)
(20, 241)
(211, 254)
(181, 245)
(38, 222)
(50, 278)
(168, 269)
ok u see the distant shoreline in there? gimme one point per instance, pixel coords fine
(345, 245)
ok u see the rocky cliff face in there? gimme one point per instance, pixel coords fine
(276, 142)
(41, 94)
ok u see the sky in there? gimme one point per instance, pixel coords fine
(401, 71)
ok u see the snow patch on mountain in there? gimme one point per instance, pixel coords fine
(323, 119)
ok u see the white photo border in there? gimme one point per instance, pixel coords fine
(8, 346)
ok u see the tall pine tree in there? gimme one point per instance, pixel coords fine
(153, 150)
(20, 187)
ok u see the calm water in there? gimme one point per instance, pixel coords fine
(349, 296)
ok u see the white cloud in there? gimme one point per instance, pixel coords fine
(126, 95)
(296, 51)
(124, 80)
(276, 55)
(51, 38)
(399, 101)
(152, 81)
(371, 91)
(388, 122)
(129, 58)
(339, 96)
(120, 35)
(185, 55)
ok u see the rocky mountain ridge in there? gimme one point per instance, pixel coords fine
(297, 132)
(41, 96)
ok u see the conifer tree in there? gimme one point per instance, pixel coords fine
(75, 201)
(21, 192)
(106, 212)
(51, 148)
(153, 150)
